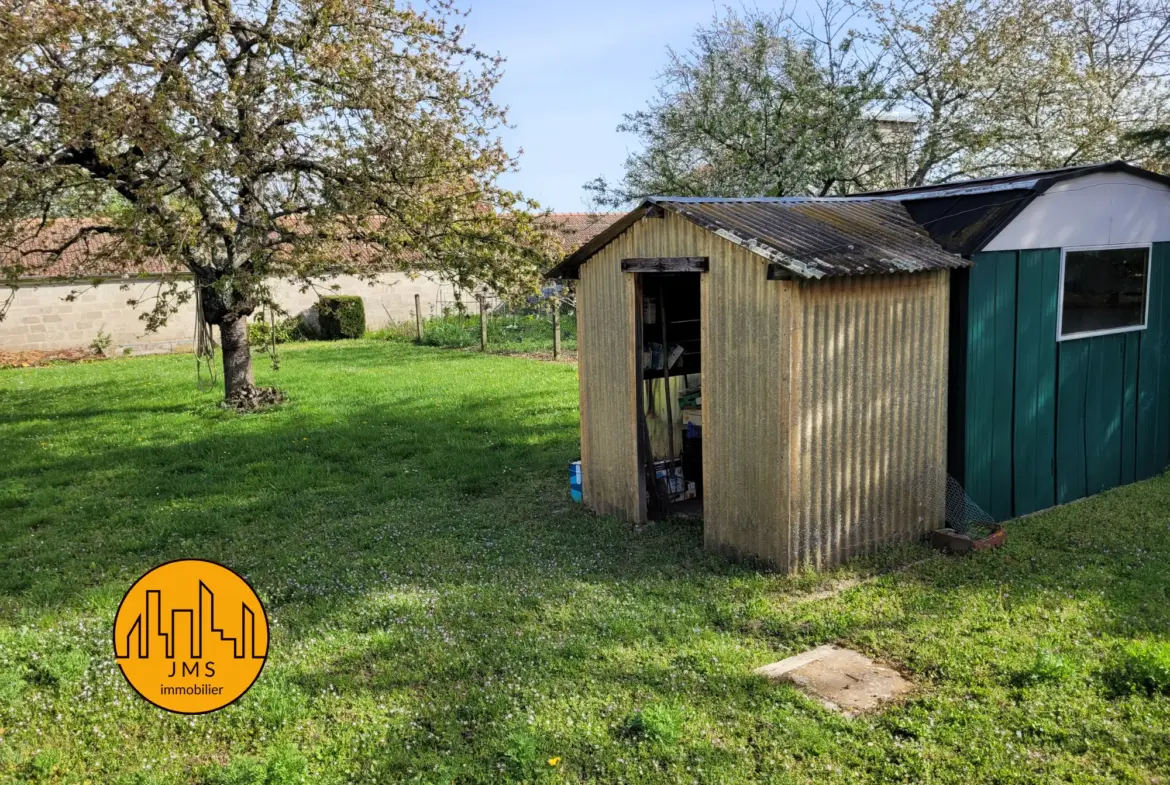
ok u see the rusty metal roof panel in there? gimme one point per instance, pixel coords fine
(821, 238)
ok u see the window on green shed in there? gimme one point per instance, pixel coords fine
(1103, 290)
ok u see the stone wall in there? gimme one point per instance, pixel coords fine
(41, 318)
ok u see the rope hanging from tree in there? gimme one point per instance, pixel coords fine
(204, 346)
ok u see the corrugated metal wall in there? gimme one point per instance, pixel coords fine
(869, 414)
(1043, 422)
(824, 403)
(745, 404)
(607, 354)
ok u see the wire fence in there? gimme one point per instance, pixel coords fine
(543, 325)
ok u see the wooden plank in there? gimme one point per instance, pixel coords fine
(667, 264)
(556, 323)
(1003, 387)
(483, 320)
(1070, 421)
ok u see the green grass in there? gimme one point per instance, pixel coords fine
(443, 613)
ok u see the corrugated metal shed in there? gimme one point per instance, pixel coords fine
(824, 402)
(809, 238)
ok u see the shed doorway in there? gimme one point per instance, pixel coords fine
(670, 385)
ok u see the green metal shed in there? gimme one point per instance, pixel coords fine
(1059, 374)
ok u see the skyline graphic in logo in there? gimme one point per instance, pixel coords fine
(191, 636)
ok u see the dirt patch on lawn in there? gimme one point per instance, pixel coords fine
(34, 359)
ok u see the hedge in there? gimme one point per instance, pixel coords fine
(342, 316)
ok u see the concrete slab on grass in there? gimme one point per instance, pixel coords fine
(842, 679)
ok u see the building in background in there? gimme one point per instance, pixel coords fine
(43, 316)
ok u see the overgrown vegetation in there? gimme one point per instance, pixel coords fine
(507, 333)
(443, 613)
(286, 329)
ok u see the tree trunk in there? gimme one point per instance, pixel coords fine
(237, 356)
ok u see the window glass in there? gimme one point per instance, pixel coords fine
(1104, 289)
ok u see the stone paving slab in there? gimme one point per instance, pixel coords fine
(841, 679)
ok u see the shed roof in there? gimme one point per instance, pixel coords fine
(809, 237)
(965, 216)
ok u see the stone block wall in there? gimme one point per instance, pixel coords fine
(41, 318)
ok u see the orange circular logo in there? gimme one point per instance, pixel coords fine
(191, 636)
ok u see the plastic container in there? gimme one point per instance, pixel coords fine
(575, 481)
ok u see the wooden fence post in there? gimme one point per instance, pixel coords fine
(483, 317)
(418, 318)
(556, 314)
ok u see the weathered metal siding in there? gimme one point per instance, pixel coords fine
(824, 403)
(868, 408)
(607, 354)
(745, 378)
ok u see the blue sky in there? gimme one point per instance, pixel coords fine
(573, 69)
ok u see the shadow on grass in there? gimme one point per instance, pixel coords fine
(434, 485)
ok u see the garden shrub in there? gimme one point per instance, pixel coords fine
(287, 330)
(342, 316)
(450, 332)
(1140, 667)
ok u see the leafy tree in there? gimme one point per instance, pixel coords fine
(247, 140)
(760, 105)
(1018, 85)
(884, 93)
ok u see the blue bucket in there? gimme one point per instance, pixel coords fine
(575, 481)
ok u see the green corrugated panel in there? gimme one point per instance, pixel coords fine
(1035, 385)
(1129, 409)
(1070, 421)
(1153, 424)
(991, 333)
(1104, 404)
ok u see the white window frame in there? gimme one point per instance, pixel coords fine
(1116, 330)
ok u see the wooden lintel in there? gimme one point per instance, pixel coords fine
(667, 264)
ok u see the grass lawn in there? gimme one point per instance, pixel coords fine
(442, 612)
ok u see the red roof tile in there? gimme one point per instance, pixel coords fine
(96, 254)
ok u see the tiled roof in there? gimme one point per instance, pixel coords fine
(576, 229)
(88, 255)
(95, 254)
